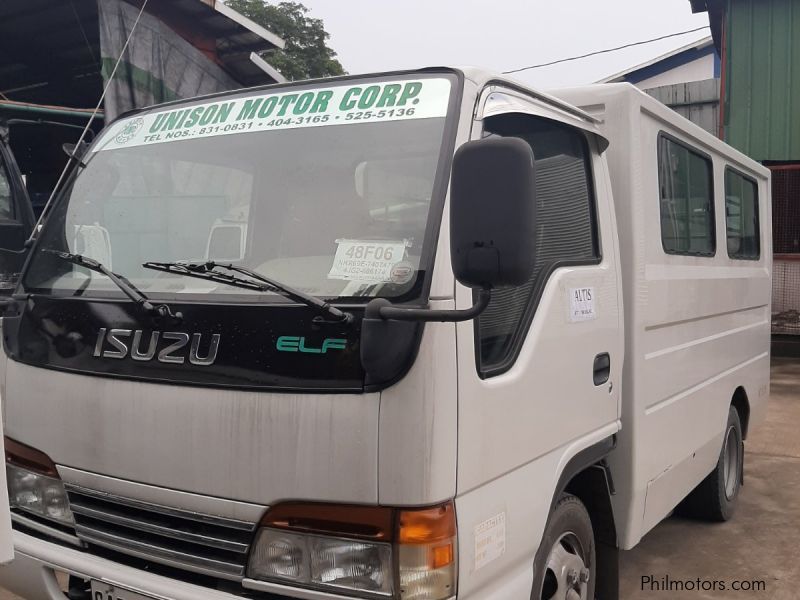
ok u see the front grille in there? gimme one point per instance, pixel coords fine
(196, 542)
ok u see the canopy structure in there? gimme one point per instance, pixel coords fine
(55, 52)
(56, 56)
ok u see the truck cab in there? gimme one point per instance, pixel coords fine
(360, 337)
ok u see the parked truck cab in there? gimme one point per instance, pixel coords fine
(418, 335)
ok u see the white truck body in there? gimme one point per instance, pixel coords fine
(500, 438)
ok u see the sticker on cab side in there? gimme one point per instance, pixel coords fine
(351, 104)
(581, 304)
(367, 261)
(490, 540)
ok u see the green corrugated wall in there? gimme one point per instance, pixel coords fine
(762, 87)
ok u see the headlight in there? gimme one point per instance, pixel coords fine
(34, 485)
(322, 562)
(38, 494)
(361, 551)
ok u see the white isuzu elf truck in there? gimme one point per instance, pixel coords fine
(419, 335)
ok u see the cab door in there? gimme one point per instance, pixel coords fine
(16, 217)
(539, 371)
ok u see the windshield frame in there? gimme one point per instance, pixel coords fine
(417, 294)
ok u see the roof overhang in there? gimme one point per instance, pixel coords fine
(50, 49)
(716, 12)
(236, 37)
(691, 50)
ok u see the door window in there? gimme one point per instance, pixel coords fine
(566, 231)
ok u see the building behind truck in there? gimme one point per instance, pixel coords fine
(425, 334)
(686, 79)
(759, 117)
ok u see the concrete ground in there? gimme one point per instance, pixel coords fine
(759, 546)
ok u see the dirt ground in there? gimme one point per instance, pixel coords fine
(757, 548)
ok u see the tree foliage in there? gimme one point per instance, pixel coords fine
(306, 54)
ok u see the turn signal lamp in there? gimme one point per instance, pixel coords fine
(360, 551)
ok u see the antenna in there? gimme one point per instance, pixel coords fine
(61, 177)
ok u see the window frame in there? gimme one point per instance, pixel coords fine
(664, 135)
(735, 171)
(520, 333)
(5, 172)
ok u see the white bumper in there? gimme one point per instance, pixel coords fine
(32, 576)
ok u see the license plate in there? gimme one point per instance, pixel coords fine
(104, 591)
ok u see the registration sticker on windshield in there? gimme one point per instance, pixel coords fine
(350, 104)
(367, 261)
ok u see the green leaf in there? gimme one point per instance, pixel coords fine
(307, 54)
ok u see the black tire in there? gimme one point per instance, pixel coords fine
(715, 498)
(569, 527)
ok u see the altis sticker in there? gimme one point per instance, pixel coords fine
(367, 261)
(490, 540)
(362, 102)
(582, 304)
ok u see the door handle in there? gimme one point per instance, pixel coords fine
(602, 368)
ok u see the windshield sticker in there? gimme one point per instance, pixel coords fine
(401, 273)
(341, 105)
(367, 261)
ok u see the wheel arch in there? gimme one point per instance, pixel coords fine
(588, 477)
(741, 403)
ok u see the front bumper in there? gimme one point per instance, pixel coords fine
(32, 576)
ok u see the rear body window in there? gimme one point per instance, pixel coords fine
(741, 216)
(686, 188)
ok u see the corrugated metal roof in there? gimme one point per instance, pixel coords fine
(762, 92)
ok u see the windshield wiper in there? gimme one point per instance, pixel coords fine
(258, 282)
(127, 288)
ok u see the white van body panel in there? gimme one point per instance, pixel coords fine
(697, 328)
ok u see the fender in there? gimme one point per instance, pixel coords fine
(594, 454)
(583, 475)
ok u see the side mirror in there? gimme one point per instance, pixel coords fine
(492, 243)
(493, 213)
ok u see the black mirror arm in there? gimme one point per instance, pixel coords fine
(381, 308)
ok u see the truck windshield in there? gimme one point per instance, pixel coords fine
(326, 189)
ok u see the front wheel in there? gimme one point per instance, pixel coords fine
(564, 568)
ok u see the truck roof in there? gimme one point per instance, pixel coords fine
(596, 98)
